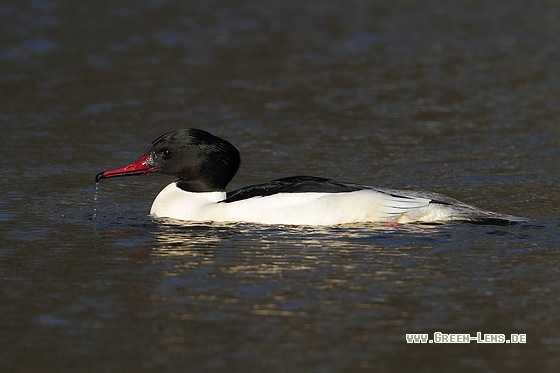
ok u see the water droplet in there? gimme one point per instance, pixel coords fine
(95, 200)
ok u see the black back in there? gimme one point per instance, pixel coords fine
(293, 184)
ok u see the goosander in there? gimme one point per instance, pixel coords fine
(205, 164)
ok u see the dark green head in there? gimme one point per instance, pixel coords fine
(202, 161)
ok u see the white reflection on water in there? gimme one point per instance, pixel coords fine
(285, 270)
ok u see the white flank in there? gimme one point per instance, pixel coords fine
(296, 208)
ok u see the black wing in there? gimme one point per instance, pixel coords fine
(293, 184)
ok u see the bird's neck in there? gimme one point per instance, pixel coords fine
(199, 186)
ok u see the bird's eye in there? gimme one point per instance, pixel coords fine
(166, 153)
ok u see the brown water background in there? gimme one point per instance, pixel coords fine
(456, 97)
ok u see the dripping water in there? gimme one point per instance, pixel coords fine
(95, 200)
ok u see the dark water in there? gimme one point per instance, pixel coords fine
(461, 98)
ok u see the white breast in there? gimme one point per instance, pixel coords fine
(174, 202)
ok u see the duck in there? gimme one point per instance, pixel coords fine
(205, 164)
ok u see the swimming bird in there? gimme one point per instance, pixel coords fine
(205, 164)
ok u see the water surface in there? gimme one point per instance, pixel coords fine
(459, 98)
